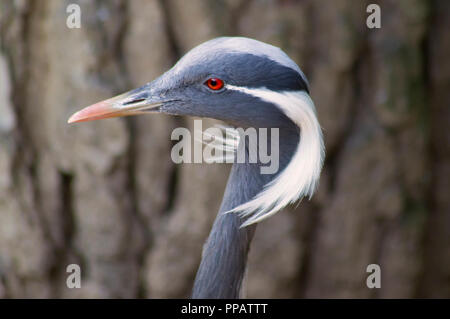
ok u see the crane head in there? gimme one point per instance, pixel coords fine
(211, 81)
(245, 83)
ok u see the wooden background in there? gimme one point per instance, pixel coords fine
(107, 196)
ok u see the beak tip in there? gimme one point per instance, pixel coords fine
(72, 119)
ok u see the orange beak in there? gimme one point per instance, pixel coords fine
(129, 103)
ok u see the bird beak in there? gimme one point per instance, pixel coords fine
(133, 102)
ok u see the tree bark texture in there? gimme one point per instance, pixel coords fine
(106, 195)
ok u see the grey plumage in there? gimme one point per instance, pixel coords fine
(225, 253)
(263, 88)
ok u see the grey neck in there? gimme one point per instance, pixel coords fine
(225, 253)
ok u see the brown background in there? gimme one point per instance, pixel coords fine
(107, 196)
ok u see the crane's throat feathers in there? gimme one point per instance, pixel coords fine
(300, 176)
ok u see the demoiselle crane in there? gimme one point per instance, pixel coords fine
(245, 83)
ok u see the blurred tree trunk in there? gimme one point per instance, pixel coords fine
(107, 196)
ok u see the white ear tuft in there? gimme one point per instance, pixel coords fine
(301, 176)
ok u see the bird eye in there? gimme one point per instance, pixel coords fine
(214, 84)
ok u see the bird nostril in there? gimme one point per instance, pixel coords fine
(134, 101)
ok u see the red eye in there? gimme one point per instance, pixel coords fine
(214, 84)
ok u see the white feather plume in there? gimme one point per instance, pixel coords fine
(301, 175)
